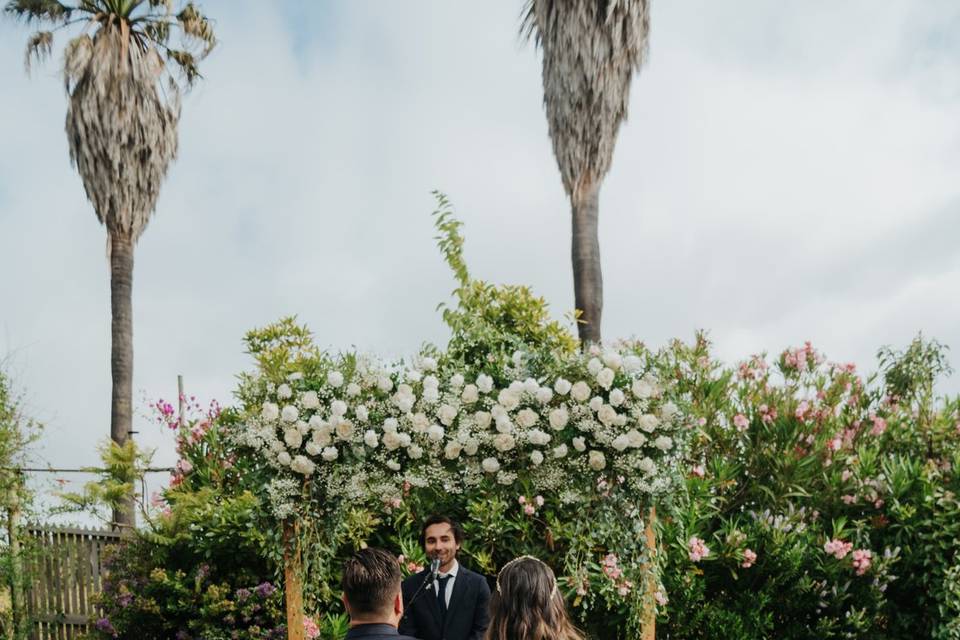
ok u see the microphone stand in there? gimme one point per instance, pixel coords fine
(427, 580)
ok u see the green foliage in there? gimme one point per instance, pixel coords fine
(123, 468)
(490, 323)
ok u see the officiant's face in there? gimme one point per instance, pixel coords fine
(438, 540)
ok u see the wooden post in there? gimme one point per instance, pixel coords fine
(649, 603)
(180, 399)
(16, 569)
(292, 579)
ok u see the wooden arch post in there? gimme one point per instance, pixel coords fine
(293, 579)
(649, 628)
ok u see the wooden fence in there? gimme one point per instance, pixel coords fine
(63, 575)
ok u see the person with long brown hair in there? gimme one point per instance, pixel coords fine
(527, 604)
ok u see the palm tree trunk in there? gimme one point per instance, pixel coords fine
(587, 277)
(121, 355)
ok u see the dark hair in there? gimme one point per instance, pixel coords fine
(438, 519)
(527, 604)
(371, 579)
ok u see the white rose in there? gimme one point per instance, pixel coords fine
(637, 439)
(595, 403)
(559, 418)
(303, 465)
(612, 359)
(526, 418)
(276, 446)
(390, 425)
(370, 438)
(293, 438)
(664, 443)
(431, 382)
(579, 444)
(385, 384)
(516, 388)
(284, 391)
(404, 402)
(361, 413)
(447, 414)
(414, 376)
(470, 394)
(641, 389)
(330, 454)
(490, 465)
(338, 408)
(353, 390)
(316, 422)
(531, 386)
(435, 433)
(391, 440)
(544, 395)
(536, 458)
(452, 450)
(393, 465)
(313, 448)
(470, 447)
(617, 397)
(597, 460)
(431, 395)
(303, 427)
(504, 425)
(270, 411)
(457, 380)
(632, 364)
(321, 438)
(289, 413)
(284, 458)
(580, 391)
(508, 399)
(562, 386)
(517, 358)
(484, 383)
(309, 400)
(420, 422)
(668, 410)
(428, 364)
(560, 451)
(538, 437)
(607, 415)
(621, 442)
(504, 442)
(344, 429)
(647, 466)
(648, 422)
(405, 439)
(415, 452)
(335, 379)
(594, 366)
(296, 375)
(605, 378)
(482, 418)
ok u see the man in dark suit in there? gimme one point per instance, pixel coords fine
(454, 606)
(371, 595)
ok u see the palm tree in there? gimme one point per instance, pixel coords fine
(122, 115)
(591, 49)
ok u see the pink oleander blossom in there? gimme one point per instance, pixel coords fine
(862, 558)
(749, 557)
(837, 548)
(310, 628)
(697, 549)
(740, 422)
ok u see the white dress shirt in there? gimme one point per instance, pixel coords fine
(449, 586)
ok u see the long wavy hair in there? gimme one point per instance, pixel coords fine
(527, 604)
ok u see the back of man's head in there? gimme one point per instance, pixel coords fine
(371, 582)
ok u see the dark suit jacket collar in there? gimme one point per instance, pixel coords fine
(362, 630)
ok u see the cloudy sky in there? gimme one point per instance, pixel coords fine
(788, 173)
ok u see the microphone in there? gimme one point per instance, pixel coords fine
(427, 580)
(434, 567)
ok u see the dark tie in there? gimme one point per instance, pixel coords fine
(442, 594)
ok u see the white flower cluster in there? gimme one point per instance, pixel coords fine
(598, 420)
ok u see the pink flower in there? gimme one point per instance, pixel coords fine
(749, 557)
(879, 426)
(740, 422)
(837, 548)
(703, 421)
(184, 466)
(878, 503)
(660, 597)
(529, 509)
(698, 470)
(848, 498)
(802, 409)
(539, 501)
(522, 499)
(861, 560)
(157, 500)
(413, 567)
(310, 628)
(697, 548)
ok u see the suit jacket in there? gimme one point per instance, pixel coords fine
(375, 632)
(467, 614)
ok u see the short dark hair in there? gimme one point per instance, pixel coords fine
(438, 519)
(371, 579)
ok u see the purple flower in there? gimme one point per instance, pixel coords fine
(265, 589)
(125, 600)
(103, 624)
(243, 595)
